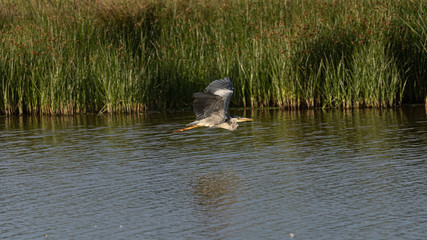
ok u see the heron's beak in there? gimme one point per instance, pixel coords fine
(242, 119)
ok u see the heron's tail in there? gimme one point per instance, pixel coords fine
(185, 129)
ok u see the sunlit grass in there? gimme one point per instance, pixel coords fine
(77, 56)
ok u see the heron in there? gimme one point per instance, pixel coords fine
(211, 106)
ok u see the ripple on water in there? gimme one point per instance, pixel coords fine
(296, 174)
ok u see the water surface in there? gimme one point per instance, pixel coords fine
(317, 174)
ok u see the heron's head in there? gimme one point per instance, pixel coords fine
(234, 120)
(233, 123)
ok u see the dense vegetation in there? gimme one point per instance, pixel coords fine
(74, 56)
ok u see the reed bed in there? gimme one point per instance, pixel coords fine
(79, 56)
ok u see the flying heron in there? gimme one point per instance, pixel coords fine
(211, 107)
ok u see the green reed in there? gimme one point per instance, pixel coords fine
(78, 56)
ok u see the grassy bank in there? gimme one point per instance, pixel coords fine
(76, 56)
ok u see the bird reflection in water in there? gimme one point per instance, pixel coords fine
(215, 188)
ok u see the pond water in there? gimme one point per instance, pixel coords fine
(309, 174)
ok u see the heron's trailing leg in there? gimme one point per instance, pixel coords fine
(185, 129)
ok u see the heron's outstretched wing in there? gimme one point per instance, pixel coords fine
(222, 88)
(207, 105)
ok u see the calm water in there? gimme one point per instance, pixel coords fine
(358, 174)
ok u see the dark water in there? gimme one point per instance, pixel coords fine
(358, 174)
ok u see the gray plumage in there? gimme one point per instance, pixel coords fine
(223, 88)
(211, 106)
(214, 100)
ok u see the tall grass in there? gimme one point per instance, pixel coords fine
(77, 56)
